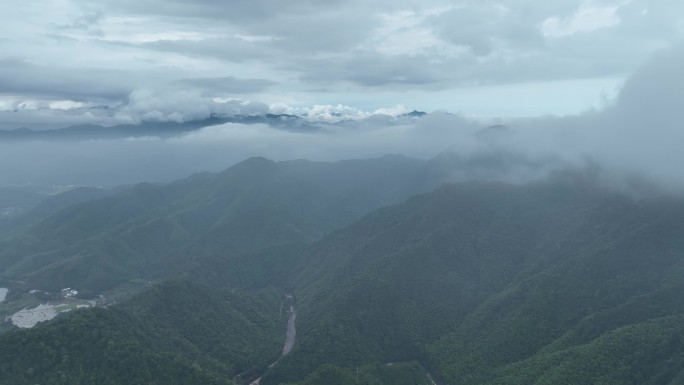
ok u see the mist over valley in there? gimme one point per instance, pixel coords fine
(347, 193)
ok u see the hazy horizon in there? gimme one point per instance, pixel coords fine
(576, 81)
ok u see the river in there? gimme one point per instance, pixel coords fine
(290, 335)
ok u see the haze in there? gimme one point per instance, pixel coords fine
(575, 81)
(349, 192)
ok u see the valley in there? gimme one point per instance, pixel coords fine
(341, 192)
(290, 336)
(454, 283)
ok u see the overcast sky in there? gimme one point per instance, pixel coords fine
(121, 61)
(576, 80)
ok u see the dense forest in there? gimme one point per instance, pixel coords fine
(557, 281)
(175, 333)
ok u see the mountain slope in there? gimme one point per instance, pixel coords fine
(474, 278)
(175, 333)
(50, 205)
(554, 281)
(151, 231)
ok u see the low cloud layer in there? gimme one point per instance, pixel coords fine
(638, 134)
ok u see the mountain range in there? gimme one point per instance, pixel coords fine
(288, 122)
(403, 272)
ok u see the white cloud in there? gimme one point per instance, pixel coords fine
(406, 33)
(65, 105)
(257, 38)
(333, 113)
(588, 17)
(181, 106)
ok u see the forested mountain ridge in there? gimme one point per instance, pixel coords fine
(174, 333)
(560, 280)
(147, 231)
(44, 206)
(490, 283)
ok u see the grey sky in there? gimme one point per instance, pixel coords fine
(63, 61)
(639, 133)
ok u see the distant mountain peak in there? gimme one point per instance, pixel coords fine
(414, 114)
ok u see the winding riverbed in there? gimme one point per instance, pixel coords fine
(290, 336)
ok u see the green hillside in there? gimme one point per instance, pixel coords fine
(481, 282)
(559, 281)
(151, 231)
(48, 205)
(175, 333)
